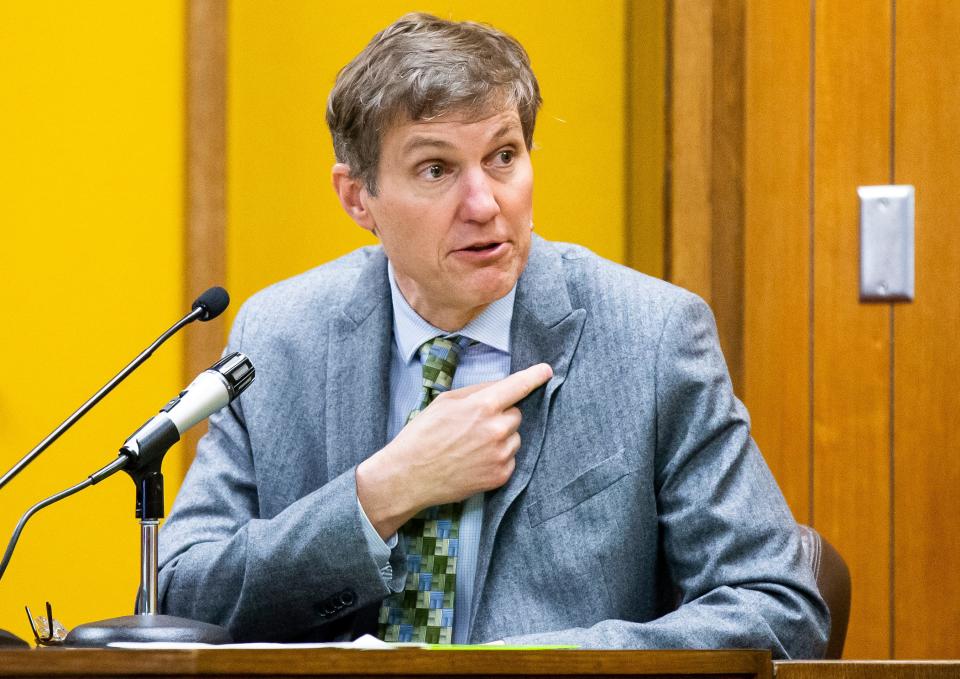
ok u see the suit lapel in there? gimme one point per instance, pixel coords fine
(358, 370)
(545, 329)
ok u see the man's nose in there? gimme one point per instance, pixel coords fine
(479, 201)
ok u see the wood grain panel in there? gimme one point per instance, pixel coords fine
(867, 670)
(691, 143)
(777, 242)
(926, 369)
(396, 663)
(727, 180)
(644, 165)
(705, 161)
(851, 366)
(205, 220)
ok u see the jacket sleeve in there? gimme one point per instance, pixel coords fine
(731, 544)
(263, 578)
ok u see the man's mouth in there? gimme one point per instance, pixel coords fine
(482, 247)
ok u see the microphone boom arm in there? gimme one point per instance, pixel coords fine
(96, 398)
(207, 306)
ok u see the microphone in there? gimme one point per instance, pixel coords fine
(212, 389)
(212, 302)
(141, 454)
(206, 307)
(141, 457)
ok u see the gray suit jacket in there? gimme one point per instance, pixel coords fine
(637, 486)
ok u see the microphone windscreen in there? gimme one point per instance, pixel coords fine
(213, 302)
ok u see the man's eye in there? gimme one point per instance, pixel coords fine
(435, 171)
(505, 157)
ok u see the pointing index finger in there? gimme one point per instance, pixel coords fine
(519, 385)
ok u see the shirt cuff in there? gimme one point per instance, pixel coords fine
(379, 550)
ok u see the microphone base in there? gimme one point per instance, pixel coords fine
(146, 628)
(9, 641)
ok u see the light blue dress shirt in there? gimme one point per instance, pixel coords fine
(486, 361)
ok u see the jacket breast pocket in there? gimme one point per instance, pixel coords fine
(596, 479)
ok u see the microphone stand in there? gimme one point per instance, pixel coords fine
(147, 624)
(143, 455)
(206, 307)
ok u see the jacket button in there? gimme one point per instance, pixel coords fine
(347, 597)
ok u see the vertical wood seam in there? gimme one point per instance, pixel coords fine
(644, 136)
(628, 134)
(893, 499)
(811, 460)
(891, 427)
(668, 146)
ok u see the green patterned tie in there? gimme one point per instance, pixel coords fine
(423, 610)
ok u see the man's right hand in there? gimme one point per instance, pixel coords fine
(462, 443)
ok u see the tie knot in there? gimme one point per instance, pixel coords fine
(440, 357)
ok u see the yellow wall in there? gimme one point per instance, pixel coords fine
(283, 58)
(90, 220)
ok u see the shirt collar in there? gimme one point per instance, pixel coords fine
(491, 327)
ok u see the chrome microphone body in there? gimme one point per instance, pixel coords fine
(212, 390)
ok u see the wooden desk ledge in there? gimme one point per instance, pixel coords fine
(867, 669)
(61, 662)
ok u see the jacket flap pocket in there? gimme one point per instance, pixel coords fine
(588, 484)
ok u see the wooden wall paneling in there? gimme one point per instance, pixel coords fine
(726, 181)
(690, 217)
(646, 135)
(926, 369)
(777, 242)
(705, 161)
(851, 366)
(206, 207)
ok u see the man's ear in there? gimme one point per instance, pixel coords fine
(353, 196)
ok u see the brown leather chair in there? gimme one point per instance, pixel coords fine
(833, 579)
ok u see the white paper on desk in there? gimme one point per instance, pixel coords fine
(366, 642)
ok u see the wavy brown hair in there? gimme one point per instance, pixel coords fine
(421, 67)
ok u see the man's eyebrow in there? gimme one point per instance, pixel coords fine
(425, 141)
(509, 128)
(421, 142)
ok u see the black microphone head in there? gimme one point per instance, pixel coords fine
(213, 301)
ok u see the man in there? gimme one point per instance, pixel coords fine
(575, 468)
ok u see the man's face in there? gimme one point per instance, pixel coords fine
(454, 212)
